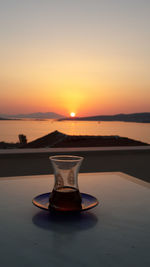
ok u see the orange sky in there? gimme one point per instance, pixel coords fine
(70, 57)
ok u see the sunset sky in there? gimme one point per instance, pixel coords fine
(85, 56)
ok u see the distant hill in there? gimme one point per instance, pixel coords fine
(134, 117)
(37, 115)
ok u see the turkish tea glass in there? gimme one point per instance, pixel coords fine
(65, 195)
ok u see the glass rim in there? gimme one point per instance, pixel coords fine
(65, 158)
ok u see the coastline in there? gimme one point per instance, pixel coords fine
(99, 121)
(143, 117)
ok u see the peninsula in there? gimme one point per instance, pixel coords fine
(133, 117)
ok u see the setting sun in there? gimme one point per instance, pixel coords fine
(72, 114)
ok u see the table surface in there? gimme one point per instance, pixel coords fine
(115, 233)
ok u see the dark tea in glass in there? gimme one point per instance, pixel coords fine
(65, 198)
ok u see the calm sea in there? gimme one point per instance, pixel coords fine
(9, 130)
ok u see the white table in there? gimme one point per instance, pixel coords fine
(115, 233)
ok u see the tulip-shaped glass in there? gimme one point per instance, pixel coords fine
(65, 194)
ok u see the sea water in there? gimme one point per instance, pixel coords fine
(33, 129)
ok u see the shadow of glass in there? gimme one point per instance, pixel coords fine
(64, 223)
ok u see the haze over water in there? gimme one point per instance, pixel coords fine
(35, 129)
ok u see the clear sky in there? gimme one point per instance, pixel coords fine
(83, 56)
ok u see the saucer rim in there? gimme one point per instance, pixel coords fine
(35, 203)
